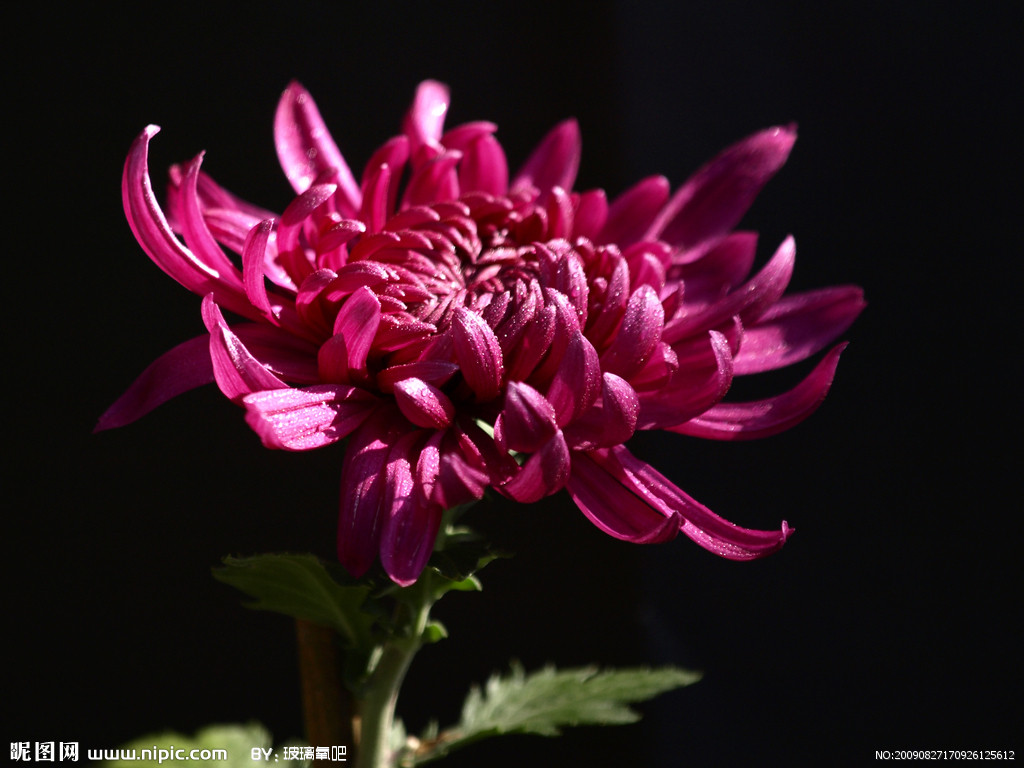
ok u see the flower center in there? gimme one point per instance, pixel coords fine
(480, 252)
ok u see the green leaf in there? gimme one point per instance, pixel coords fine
(301, 586)
(548, 700)
(434, 632)
(237, 740)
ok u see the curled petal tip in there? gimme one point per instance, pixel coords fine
(715, 198)
(424, 122)
(185, 367)
(782, 137)
(435, 93)
(306, 149)
(555, 160)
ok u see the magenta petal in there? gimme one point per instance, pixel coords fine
(560, 215)
(457, 480)
(394, 153)
(398, 332)
(762, 418)
(638, 335)
(300, 209)
(566, 326)
(509, 327)
(362, 491)
(544, 473)
(484, 167)
(590, 214)
(236, 370)
(445, 476)
(610, 421)
(428, 465)
(718, 271)
(229, 227)
(525, 357)
(339, 232)
(151, 230)
(648, 264)
(305, 147)
(303, 419)
(253, 257)
(424, 404)
(436, 372)
(700, 523)
(410, 520)
(194, 229)
(798, 326)
(613, 305)
(434, 181)
(212, 196)
(661, 366)
(286, 356)
(232, 227)
(149, 224)
(631, 213)
(310, 305)
(716, 197)
(178, 370)
(478, 449)
(332, 361)
(461, 136)
(357, 323)
(424, 123)
(616, 508)
(376, 195)
(691, 391)
(619, 406)
(769, 284)
(478, 352)
(555, 160)
(293, 255)
(749, 301)
(562, 271)
(527, 421)
(575, 385)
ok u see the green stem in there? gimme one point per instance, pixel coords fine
(377, 710)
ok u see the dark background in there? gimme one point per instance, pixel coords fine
(886, 622)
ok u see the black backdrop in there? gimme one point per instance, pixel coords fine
(886, 623)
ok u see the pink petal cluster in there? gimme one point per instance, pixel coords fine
(468, 328)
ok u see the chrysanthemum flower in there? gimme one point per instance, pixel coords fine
(465, 329)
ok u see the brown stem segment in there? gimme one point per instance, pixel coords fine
(326, 704)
